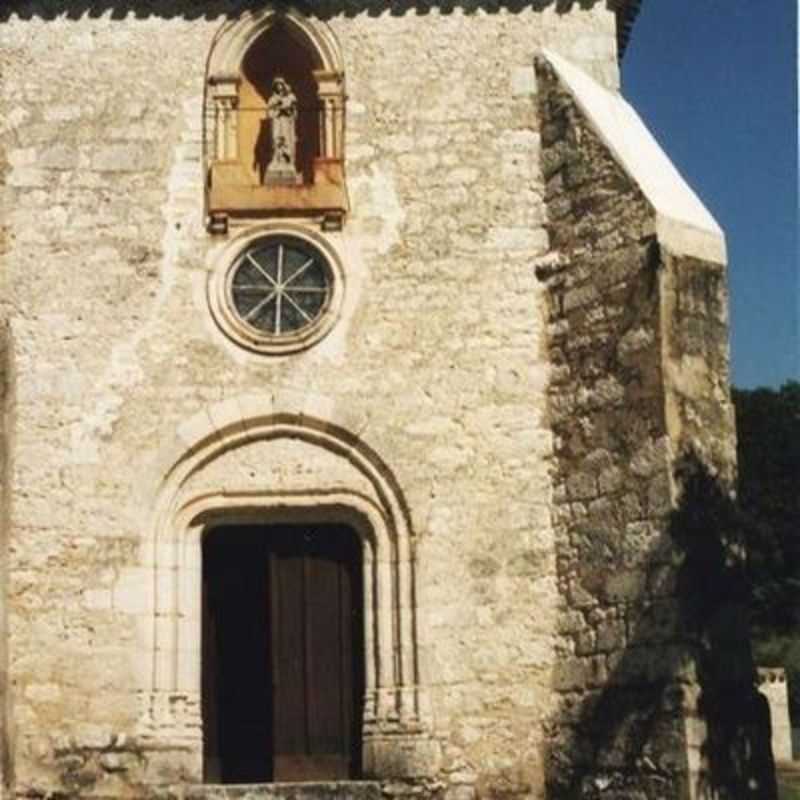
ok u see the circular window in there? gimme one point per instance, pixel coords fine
(280, 286)
(276, 294)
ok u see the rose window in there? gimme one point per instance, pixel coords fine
(280, 293)
(280, 286)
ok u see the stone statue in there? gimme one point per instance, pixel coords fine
(282, 114)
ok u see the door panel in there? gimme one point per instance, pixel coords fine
(314, 737)
(324, 620)
(288, 636)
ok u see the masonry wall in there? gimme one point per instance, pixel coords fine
(612, 455)
(441, 353)
(6, 392)
(638, 344)
(772, 684)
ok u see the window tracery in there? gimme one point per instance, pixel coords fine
(276, 289)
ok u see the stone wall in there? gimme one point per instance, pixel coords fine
(439, 364)
(699, 411)
(772, 684)
(6, 407)
(6, 465)
(637, 336)
(620, 726)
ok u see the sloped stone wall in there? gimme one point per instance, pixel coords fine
(619, 727)
(638, 342)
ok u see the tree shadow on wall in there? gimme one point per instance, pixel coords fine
(628, 738)
(710, 532)
(229, 9)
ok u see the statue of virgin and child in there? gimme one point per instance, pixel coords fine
(281, 112)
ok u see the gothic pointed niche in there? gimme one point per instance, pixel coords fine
(275, 105)
(279, 108)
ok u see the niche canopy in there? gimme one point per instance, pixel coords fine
(275, 121)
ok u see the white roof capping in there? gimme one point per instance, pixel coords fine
(683, 224)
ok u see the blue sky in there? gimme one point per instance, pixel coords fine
(716, 83)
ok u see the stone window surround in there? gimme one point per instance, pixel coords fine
(221, 263)
(396, 725)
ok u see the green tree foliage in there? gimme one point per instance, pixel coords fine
(768, 429)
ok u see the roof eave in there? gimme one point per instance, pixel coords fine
(627, 10)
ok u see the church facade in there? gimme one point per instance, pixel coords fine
(349, 349)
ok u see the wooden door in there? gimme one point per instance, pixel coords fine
(283, 653)
(314, 625)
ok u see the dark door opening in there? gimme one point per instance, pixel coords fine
(282, 653)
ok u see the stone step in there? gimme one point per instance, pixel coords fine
(335, 790)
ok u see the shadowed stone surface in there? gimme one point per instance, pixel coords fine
(286, 791)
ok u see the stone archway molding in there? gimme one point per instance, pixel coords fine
(235, 37)
(394, 717)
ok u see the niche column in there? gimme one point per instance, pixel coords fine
(226, 123)
(330, 88)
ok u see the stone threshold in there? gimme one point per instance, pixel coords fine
(330, 790)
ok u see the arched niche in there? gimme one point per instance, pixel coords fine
(280, 52)
(247, 56)
(245, 460)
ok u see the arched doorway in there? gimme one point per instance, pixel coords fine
(283, 652)
(268, 460)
